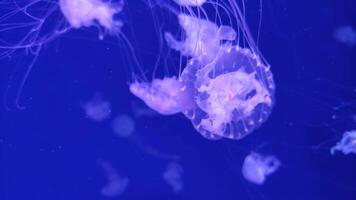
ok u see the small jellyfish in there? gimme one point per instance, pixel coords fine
(116, 185)
(166, 96)
(97, 109)
(347, 144)
(257, 167)
(83, 13)
(346, 35)
(173, 176)
(123, 125)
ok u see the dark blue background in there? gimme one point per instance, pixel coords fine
(51, 150)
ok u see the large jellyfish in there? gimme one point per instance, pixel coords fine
(225, 90)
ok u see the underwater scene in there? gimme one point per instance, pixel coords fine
(177, 99)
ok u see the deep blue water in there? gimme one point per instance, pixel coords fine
(51, 150)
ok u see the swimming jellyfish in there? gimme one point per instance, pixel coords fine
(346, 35)
(173, 176)
(225, 90)
(257, 167)
(116, 184)
(31, 26)
(347, 144)
(83, 13)
(25, 26)
(97, 108)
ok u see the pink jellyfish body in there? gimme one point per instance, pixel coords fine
(225, 90)
(231, 97)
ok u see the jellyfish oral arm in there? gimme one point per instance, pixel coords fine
(166, 96)
(202, 37)
(190, 2)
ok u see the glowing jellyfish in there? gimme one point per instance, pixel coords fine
(257, 167)
(116, 184)
(83, 13)
(31, 26)
(97, 109)
(347, 144)
(173, 176)
(231, 96)
(123, 125)
(25, 26)
(166, 96)
(203, 38)
(225, 90)
(346, 35)
(190, 2)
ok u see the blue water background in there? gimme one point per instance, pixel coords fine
(52, 151)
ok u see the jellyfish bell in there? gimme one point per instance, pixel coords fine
(234, 94)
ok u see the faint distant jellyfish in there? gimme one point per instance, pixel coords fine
(116, 184)
(97, 109)
(347, 144)
(346, 35)
(257, 167)
(173, 176)
(123, 125)
(225, 90)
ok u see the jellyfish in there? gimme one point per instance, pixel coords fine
(203, 38)
(227, 91)
(173, 176)
(34, 23)
(346, 35)
(26, 26)
(347, 144)
(83, 13)
(97, 108)
(257, 167)
(116, 184)
(123, 125)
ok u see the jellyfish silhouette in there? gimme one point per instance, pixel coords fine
(225, 90)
